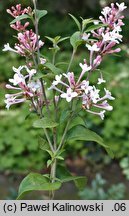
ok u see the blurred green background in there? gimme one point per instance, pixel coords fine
(19, 152)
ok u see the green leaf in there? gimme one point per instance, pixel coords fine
(75, 40)
(59, 158)
(94, 27)
(36, 182)
(76, 21)
(64, 175)
(50, 39)
(82, 133)
(24, 16)
(80, 181)
(110, 152)
(43, 144)
(77, 121)
(57, 38)
(40, 14)
(52, 67)
(38, 75)
(45, 123)
(49, 162)
(85, 22)
(64, 115)
(50, 153)
(63, 39)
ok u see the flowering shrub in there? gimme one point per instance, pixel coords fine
(45, 85)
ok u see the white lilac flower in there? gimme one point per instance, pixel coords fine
(93, 48)
(106, 11)
(18, 78)
(115, 36)
(85, 101)
(12, 87)
(69, 95)
(106, 37)
(108, 94)
(104, 105)
(101, 80)
(85, 86)
(94, 94)
(31, 72)
(85, 67)
(85, 36)
(112, 36)
(121, 6)
(42, 60)
(8, 48)
(57, 80)
(18, 70)
(13, 100)
(70, 77)
(117, 28)
(101, 114)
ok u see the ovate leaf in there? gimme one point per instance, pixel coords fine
(40, 14)
(76, 40)
(45, 123)
(36, 182)
(24, 16)
(82, 133)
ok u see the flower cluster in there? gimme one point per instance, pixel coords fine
(26, 87)
(28, 44)
(27, 39)
(107, 37)
(82, 90)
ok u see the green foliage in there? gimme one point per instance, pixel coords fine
(94, 27)
(18, 142)
(45, 123)
(82, 133)
(115, 130)
(124, 164)
(40, 14)
(64, 175)
(98, 191)
(24, 16)
(36, 182)
(76, 21)
(76, 40)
